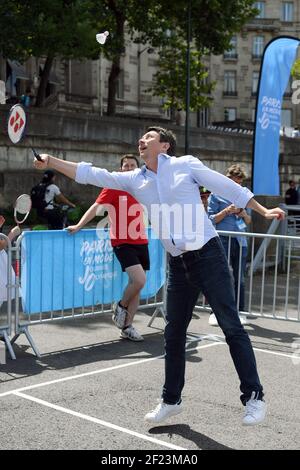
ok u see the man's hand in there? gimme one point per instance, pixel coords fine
(275, 213)
(41, 165)
(242, 213)
(232, 209)
(73, 228)
(2, 220)
(15, 232)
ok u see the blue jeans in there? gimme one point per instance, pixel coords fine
(234, 254)
(205, 270)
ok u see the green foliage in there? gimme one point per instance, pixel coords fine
(295, 71)
(170, 80)
(74, 215)
(49, 27)
(213, 22)
(67, 29)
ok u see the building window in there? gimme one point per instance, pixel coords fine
(230, 83)
(286, 117)
(287, 11)
(258, 47)
(232, 53)
(255, 78)
(202, 117)
(261, 6)
(229, 114)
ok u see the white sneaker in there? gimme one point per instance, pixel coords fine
(131, 333)
(119, 315)
(255, 411)
(213, 320)
(162, 412)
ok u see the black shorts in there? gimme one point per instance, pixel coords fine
(130, 255)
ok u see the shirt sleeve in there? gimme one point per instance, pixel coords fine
(105, 197)
(88, 174)
(213, 207)
(219, 184)
(56, 190)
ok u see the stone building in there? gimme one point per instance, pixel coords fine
(84, 84)
(237, 71)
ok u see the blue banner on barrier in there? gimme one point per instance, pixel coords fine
(277, 61)
(63, 271)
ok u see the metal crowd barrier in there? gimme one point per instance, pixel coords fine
(272, 289)
(272, 281)
(23, 322)
(6, 304)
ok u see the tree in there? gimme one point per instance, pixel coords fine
(143, 21)
(170, 79)
(67, 29)
(213, 22)
(47, 29)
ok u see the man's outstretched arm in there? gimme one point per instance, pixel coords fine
(85, 173)
(67, 168)
(275, 213)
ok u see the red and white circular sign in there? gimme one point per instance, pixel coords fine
(16, 123)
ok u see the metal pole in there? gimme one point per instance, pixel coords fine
(188, 73)
(139, 80)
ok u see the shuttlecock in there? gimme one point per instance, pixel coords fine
(101, 37)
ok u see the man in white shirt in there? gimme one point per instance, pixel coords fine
(168, 187)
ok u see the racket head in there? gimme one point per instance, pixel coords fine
(16, 124)
(22, 208)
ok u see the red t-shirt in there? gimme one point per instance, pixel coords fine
(125, 216)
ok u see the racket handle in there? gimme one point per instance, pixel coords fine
(36, 154)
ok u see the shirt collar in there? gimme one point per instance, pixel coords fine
(161, 157)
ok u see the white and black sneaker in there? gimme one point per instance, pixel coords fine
(130, 333)
(119, 315)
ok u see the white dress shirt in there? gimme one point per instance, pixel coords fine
(171, 197)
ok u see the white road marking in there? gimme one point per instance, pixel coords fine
(221, 340)
(95, 372)
(98, 421)
(273, 352)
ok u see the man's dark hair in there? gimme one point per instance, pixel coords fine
(165, 135)
(129, 155)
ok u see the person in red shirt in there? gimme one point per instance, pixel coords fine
(130, 245)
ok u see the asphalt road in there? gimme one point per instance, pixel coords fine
(90, 389)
